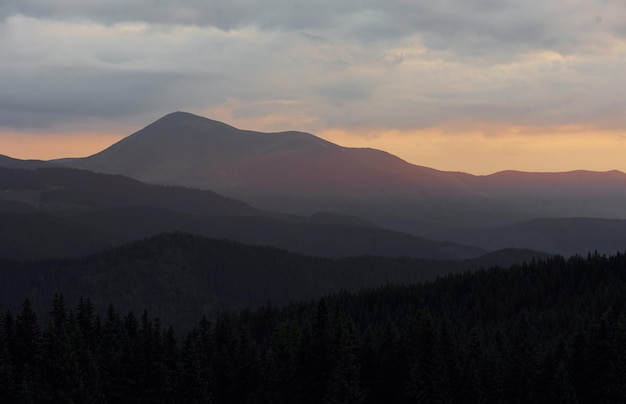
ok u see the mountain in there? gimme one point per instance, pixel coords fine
(186, 149)
(564, 236)
(9, 162)
(300, 173)
(37, 236)
(179, 277)
(569, 194)
(294, 172)
(52, 212)
(62, 189)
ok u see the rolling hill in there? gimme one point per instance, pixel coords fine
(564, 236)
(178, 277)
(9, 162)
(52, 212)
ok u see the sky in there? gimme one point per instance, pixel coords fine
(465, 85)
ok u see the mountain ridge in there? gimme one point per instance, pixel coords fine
(10, 162)
(183, 276)
(111, 209)
(253, 148)
(299, 173)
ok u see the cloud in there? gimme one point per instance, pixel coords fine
(345, 90)
(352, 64)
(470, 26)
(90, 92)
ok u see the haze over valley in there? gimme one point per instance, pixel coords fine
(301, 174)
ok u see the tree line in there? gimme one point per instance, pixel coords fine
(547, 331)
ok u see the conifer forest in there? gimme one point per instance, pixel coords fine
(548, 331)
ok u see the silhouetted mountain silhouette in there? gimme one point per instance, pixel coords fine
(62, 212)
(297, 172)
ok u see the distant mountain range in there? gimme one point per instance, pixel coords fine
(309, 196)
(299, 173)
(9, 162)
(291, 172)
(564, 236)
(189, 216)
(53, 212)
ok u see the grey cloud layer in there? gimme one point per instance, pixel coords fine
(395, 63)
(457, 24)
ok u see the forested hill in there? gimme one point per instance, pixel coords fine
(55, 212)
(550, 331)
(180, 276)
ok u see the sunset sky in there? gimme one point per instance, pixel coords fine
(465, 85)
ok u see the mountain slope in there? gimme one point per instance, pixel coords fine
(299, 173)
(182, 148)
(9, 162)
(179, 277)
(567, 194)
(38, 236)
(61, 188)
(117, 209)
(564, 236)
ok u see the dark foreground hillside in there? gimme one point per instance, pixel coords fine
(180, 276)
(551, 331)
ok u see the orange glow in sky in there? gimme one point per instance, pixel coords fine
(547, 149)
(482, 150)
(51, 146)
(360, 74)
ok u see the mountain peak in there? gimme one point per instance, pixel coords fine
(186, 149)
(181, 116)
(186, 120)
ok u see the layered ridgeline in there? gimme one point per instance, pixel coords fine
(9, 162)
(300, 173)
(180, 276)
(53, 212)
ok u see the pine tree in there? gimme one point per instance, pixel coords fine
(58, 368)
(170, 366)
(556, 380)
(85, 320)
(319, 355)
(246, 368)
(193, 387)
(344, 386)
(26, 343)
(424, 384)
(7, 381)
(279, 365)
(473, 383)
(391, 368)
(524, 368)
(59, 311)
